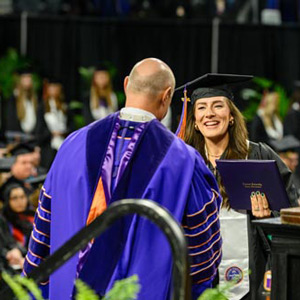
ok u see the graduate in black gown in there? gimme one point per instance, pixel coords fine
(217, 129)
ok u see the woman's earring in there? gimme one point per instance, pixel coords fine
(231, 122)
(196, 127)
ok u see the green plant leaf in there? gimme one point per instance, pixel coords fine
(126, 289)
(16, 287)
(10, 63)
(30, 285)
(84, 292)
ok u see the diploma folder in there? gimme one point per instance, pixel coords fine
(242, 177)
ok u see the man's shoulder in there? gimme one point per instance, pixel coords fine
(80, 134)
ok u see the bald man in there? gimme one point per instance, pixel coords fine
(129, 154)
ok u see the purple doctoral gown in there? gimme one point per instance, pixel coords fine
(161, 168)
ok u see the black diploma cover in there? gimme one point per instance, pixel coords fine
(242, 177)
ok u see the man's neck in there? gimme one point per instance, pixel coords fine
(136, 114)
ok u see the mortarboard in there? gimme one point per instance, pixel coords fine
(53, 80)
(12, 136)
(214, 84)
(21, 148)
(25, 71)
(287, 143)
(36, 180)
(102, 67)
(206, 86)
(6, 163)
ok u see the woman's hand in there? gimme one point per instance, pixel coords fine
(14, 257)
(259, 205)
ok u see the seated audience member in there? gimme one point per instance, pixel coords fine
(102, 100)
(23, 106)
(22, 168)
(217, 129)
(53, 128)
(11, 253)
(18, 212)
(292, 119)
(36, 161)
(288, 150)
(267, 125)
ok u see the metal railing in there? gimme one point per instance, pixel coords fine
(146, 208)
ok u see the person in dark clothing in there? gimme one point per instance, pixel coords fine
(217, 129)
(19, 213)
(22, 108)
(266, 125)
(53, 126)
(21, 169)
(102, 101)
(11, 254)
(288, 150)
(292, 119)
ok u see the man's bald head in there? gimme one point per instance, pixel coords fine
(150, 77)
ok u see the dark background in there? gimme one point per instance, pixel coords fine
(59, 45)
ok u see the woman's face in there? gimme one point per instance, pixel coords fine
(272, 103)
(54, 90)
(26, 81)
(18, 200)
(212, 117)
(101, 79)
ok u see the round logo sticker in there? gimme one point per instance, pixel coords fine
(234, 273)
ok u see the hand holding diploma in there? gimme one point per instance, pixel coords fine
(259, 205)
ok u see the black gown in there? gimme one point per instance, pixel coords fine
(257, 250)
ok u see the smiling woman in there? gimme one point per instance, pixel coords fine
(217, 129)
(212, 118)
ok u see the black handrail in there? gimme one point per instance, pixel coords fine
(147, 208)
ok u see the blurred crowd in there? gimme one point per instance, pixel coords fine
(33, 129)
(34, 126)
(233, 10)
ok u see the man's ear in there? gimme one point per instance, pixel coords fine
(125, 83)
(167, 95)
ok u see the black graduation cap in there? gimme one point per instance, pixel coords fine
(286, 144)
(13, 136)
(213, 84)
(6, 163)
(206, 86)
(101, 67)
(53, 80)
(26, 70)
(36, 180)
(6, 189)
(21, 148)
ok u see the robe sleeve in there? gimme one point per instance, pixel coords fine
(202, 228)
(39, 244)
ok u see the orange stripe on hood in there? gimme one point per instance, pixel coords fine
(99, 203)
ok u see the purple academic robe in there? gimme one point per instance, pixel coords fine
(161, 168)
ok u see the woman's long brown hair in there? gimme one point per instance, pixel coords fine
(59, 100)
(20, 102)
(96, 93)
(237, 147)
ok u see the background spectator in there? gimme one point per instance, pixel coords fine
(266, 125)
(53, 128)
(18, 213)
(102, 100)
(22, 107)
(11, 254)
(21, 169)
(288, 150)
